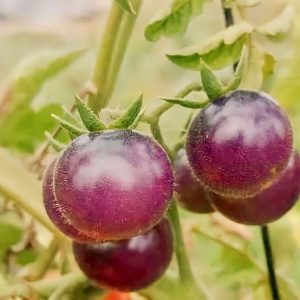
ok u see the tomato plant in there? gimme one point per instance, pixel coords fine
(129, 194)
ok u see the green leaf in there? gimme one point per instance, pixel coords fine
(248, 3)
(129, 116)
(260, 68)
(240, 71)
(174, 20)
(127, 5)
(74, 130)
(288, 289)
(278, 26)
(234, 258)
(89, 119)
(30, 76)
(24, 127)
(186, 103)
(210, 83)
(56, 145)
(222, 49)
(11, 230)
(13, 174)
(10, 234)
(26, 257)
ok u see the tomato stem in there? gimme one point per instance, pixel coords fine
(159, 110)
(110, 56)
(185, 272)
(121, 46)
(104, 57)
(156, 132)
(270, 262)
(39, 268)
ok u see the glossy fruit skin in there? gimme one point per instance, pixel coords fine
(53, 210)
(113, 184)
(269, 205)
(191, 194)
(239, 143)
(127, 265)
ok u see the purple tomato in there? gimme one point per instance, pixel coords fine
(191, 194)
(267, 206)
(113, 184)
(127, 265)
(239, 143)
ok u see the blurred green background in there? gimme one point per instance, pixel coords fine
(227, 258)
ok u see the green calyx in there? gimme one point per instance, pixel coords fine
(91, 123)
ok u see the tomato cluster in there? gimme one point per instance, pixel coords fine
(240, 159)
(109, 190)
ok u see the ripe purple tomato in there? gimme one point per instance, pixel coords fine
(113, 184)
(239, 143)
(53, 209)
(190, 192)
(127, 265)
(267, 206)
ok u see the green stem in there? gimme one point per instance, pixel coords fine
(111, 54)
(121, 46)
(104, 57)
(156, 132)
(41, 265)
(185, 272)
(42, 287)
(158, 111)
(183, 262)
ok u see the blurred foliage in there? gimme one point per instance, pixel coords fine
(229, 262)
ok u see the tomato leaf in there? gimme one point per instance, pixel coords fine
(248, 3)
(222, 49)
(31, 75)
(278, 26)
(174, 20)
(260, 68)
(10, 230)
(24, 127)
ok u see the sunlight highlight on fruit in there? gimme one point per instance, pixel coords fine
(113, 184)
(239, 143)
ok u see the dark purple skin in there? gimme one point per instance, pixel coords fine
(191, 194)
(239, 143)
(113, 184)
(53, 210)
(127, 265)
(269, 205)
